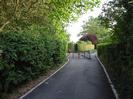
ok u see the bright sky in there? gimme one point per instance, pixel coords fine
(74, 28)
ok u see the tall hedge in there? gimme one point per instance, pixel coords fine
(120, 67)
(25, 56)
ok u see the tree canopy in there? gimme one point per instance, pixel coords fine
(118, 15)
(94, 26)
(16, 15)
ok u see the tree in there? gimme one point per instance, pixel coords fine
(94, 26)
(17, 15)
(117, 14)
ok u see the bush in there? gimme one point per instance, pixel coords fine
(85, 46)
(119, 65)
(26, 56)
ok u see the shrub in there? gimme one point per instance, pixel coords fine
(26, 56)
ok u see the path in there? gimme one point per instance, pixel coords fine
(79, 79)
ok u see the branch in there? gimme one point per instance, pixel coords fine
(31, 4)
(3, 26)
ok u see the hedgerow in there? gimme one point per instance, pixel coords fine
(25, 56)
(119, 67)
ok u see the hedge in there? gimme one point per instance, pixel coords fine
(26, 56)
(120, 67)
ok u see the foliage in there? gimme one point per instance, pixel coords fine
(118, 15)
(33, 38)
(16, 15)
(94, 26)
(89, 37)
(84, 46)
(26, 56)
(119, 67)
(80, 46)
(71, 47)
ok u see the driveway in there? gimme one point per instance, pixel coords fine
(80, 79)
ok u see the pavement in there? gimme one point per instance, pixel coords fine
(81, 78)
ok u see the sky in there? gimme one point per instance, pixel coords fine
(74, 28)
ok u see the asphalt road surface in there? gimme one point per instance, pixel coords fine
(80, 79)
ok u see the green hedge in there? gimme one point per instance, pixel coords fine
(120, 67)
(26, 56)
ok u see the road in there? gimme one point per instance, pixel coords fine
(80, 79)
